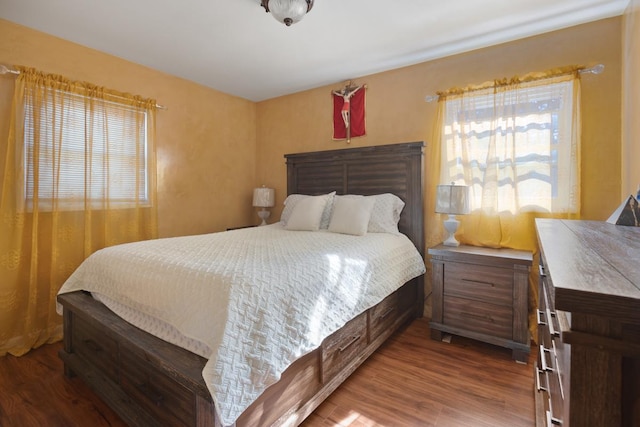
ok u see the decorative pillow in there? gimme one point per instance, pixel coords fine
(351, 215)
(293, 199)
(307, 213)
(385, 214)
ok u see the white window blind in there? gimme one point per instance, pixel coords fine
(89, 152)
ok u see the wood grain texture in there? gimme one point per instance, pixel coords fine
(481, 293)
(409, 381)
(595, 266)
(591, 286)
(477, 316)
(415, 381)
(340, 348)
(159, 381)
(34, 392)
(479, 282)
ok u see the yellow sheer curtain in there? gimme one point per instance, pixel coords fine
(481, 131)
(66, 193)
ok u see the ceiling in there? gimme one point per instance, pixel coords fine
(235, 47)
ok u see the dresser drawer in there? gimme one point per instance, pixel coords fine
(480, 282)
(562, 351)
(547, 285)
(542, 390)
(548, 326)
(340, 348)
(146, 385)
(544, 336)
(548, 362)
(382, 316)
(477, 316)
(91, 344)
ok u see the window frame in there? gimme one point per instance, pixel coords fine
(94, 202)
(542, 98)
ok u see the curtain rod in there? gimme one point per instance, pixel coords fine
(596, 69)
(6, 70)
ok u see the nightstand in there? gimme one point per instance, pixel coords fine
(482, 293)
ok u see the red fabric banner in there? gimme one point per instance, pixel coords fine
(356, 115)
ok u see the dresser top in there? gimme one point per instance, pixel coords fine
(594, 266)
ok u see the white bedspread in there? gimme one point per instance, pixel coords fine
(257, 299)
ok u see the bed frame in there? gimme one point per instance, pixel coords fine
(150, 382)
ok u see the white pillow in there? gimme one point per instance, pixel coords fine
(385, 214)
(307, 213)
(351, 215)
(293, 199)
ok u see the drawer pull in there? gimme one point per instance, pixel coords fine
(538, 383)
(386, 313)
(92, 345)
(479, 282)
(151, 393)
(558, 364)
(552, 329)
(349, 344)
(551, 421)
(543, 358)
(542, 321)
(478, 316)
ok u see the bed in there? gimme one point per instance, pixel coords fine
(150, 381)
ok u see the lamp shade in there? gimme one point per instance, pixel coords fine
(263, 197)
(452, 199)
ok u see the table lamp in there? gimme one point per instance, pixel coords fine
(452, 200)
(263, 198)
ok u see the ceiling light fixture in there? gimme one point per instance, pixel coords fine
(287, 11)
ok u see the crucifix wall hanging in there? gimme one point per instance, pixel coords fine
(348, 112)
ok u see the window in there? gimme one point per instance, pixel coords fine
(515, 146)
(90, 152)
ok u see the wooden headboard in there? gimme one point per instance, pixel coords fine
(394, 168)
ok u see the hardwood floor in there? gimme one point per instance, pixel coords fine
(411, 381)
(415, 381)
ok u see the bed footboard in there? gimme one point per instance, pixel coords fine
(150, 382)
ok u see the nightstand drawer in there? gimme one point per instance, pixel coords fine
(477, 316)
(479, 282)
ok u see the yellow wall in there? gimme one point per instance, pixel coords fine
(214, 148)
(631, 100)
(396, 110)
(205, 139)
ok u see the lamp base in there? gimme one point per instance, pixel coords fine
(264, 214)
(451, 225)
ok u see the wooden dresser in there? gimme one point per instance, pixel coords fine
(588, 368)
(482, 293)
